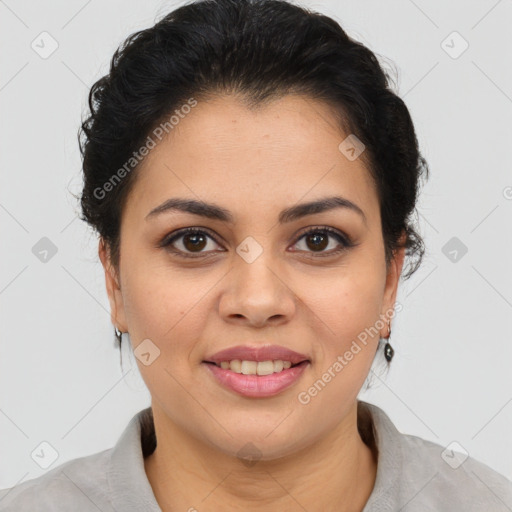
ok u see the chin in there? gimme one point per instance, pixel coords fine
(264, 443)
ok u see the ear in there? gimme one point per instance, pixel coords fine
(392, 280)
(115, 296)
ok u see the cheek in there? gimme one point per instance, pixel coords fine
(164, 306)
(345, 351)
(346, 312)
(347, 302)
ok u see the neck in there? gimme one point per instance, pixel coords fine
(186, 473)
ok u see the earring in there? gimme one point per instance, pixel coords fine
(119, 335)
(388, 349)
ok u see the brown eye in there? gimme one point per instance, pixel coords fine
(190, 242)
(194, 242)
(318, 239)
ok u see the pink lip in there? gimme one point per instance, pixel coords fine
(260, 353)
(257, 386)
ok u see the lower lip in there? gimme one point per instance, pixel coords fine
(257, 386)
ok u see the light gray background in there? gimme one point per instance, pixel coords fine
(60, 376)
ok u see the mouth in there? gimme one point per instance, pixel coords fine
(256, 379)
(256, 370)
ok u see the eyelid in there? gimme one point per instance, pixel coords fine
(328, 229)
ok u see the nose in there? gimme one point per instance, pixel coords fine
(257, 293)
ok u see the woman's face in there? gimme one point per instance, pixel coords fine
(255, 279)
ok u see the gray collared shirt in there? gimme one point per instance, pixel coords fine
(413, 475)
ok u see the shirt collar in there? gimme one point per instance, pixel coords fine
(129, 484)
(384, 496)
(131, 490)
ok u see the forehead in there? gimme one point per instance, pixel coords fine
(285, 151)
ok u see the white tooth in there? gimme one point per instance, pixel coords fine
(278, 365)
(236, 365)
(265, 368)
(255, 367)
(249, 367)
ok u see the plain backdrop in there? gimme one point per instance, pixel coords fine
(61, 381)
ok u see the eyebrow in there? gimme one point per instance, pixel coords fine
(215, 212)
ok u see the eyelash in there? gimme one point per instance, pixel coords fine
(167, 242)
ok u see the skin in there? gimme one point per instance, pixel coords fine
(254, 163)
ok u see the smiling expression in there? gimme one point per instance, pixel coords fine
(312, 278)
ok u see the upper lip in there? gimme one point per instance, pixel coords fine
(259, 353)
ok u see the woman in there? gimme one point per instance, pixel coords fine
(252, 178)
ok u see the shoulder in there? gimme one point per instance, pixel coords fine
(444, 476)
(80, 484)
(111, 480)
(414, 474)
